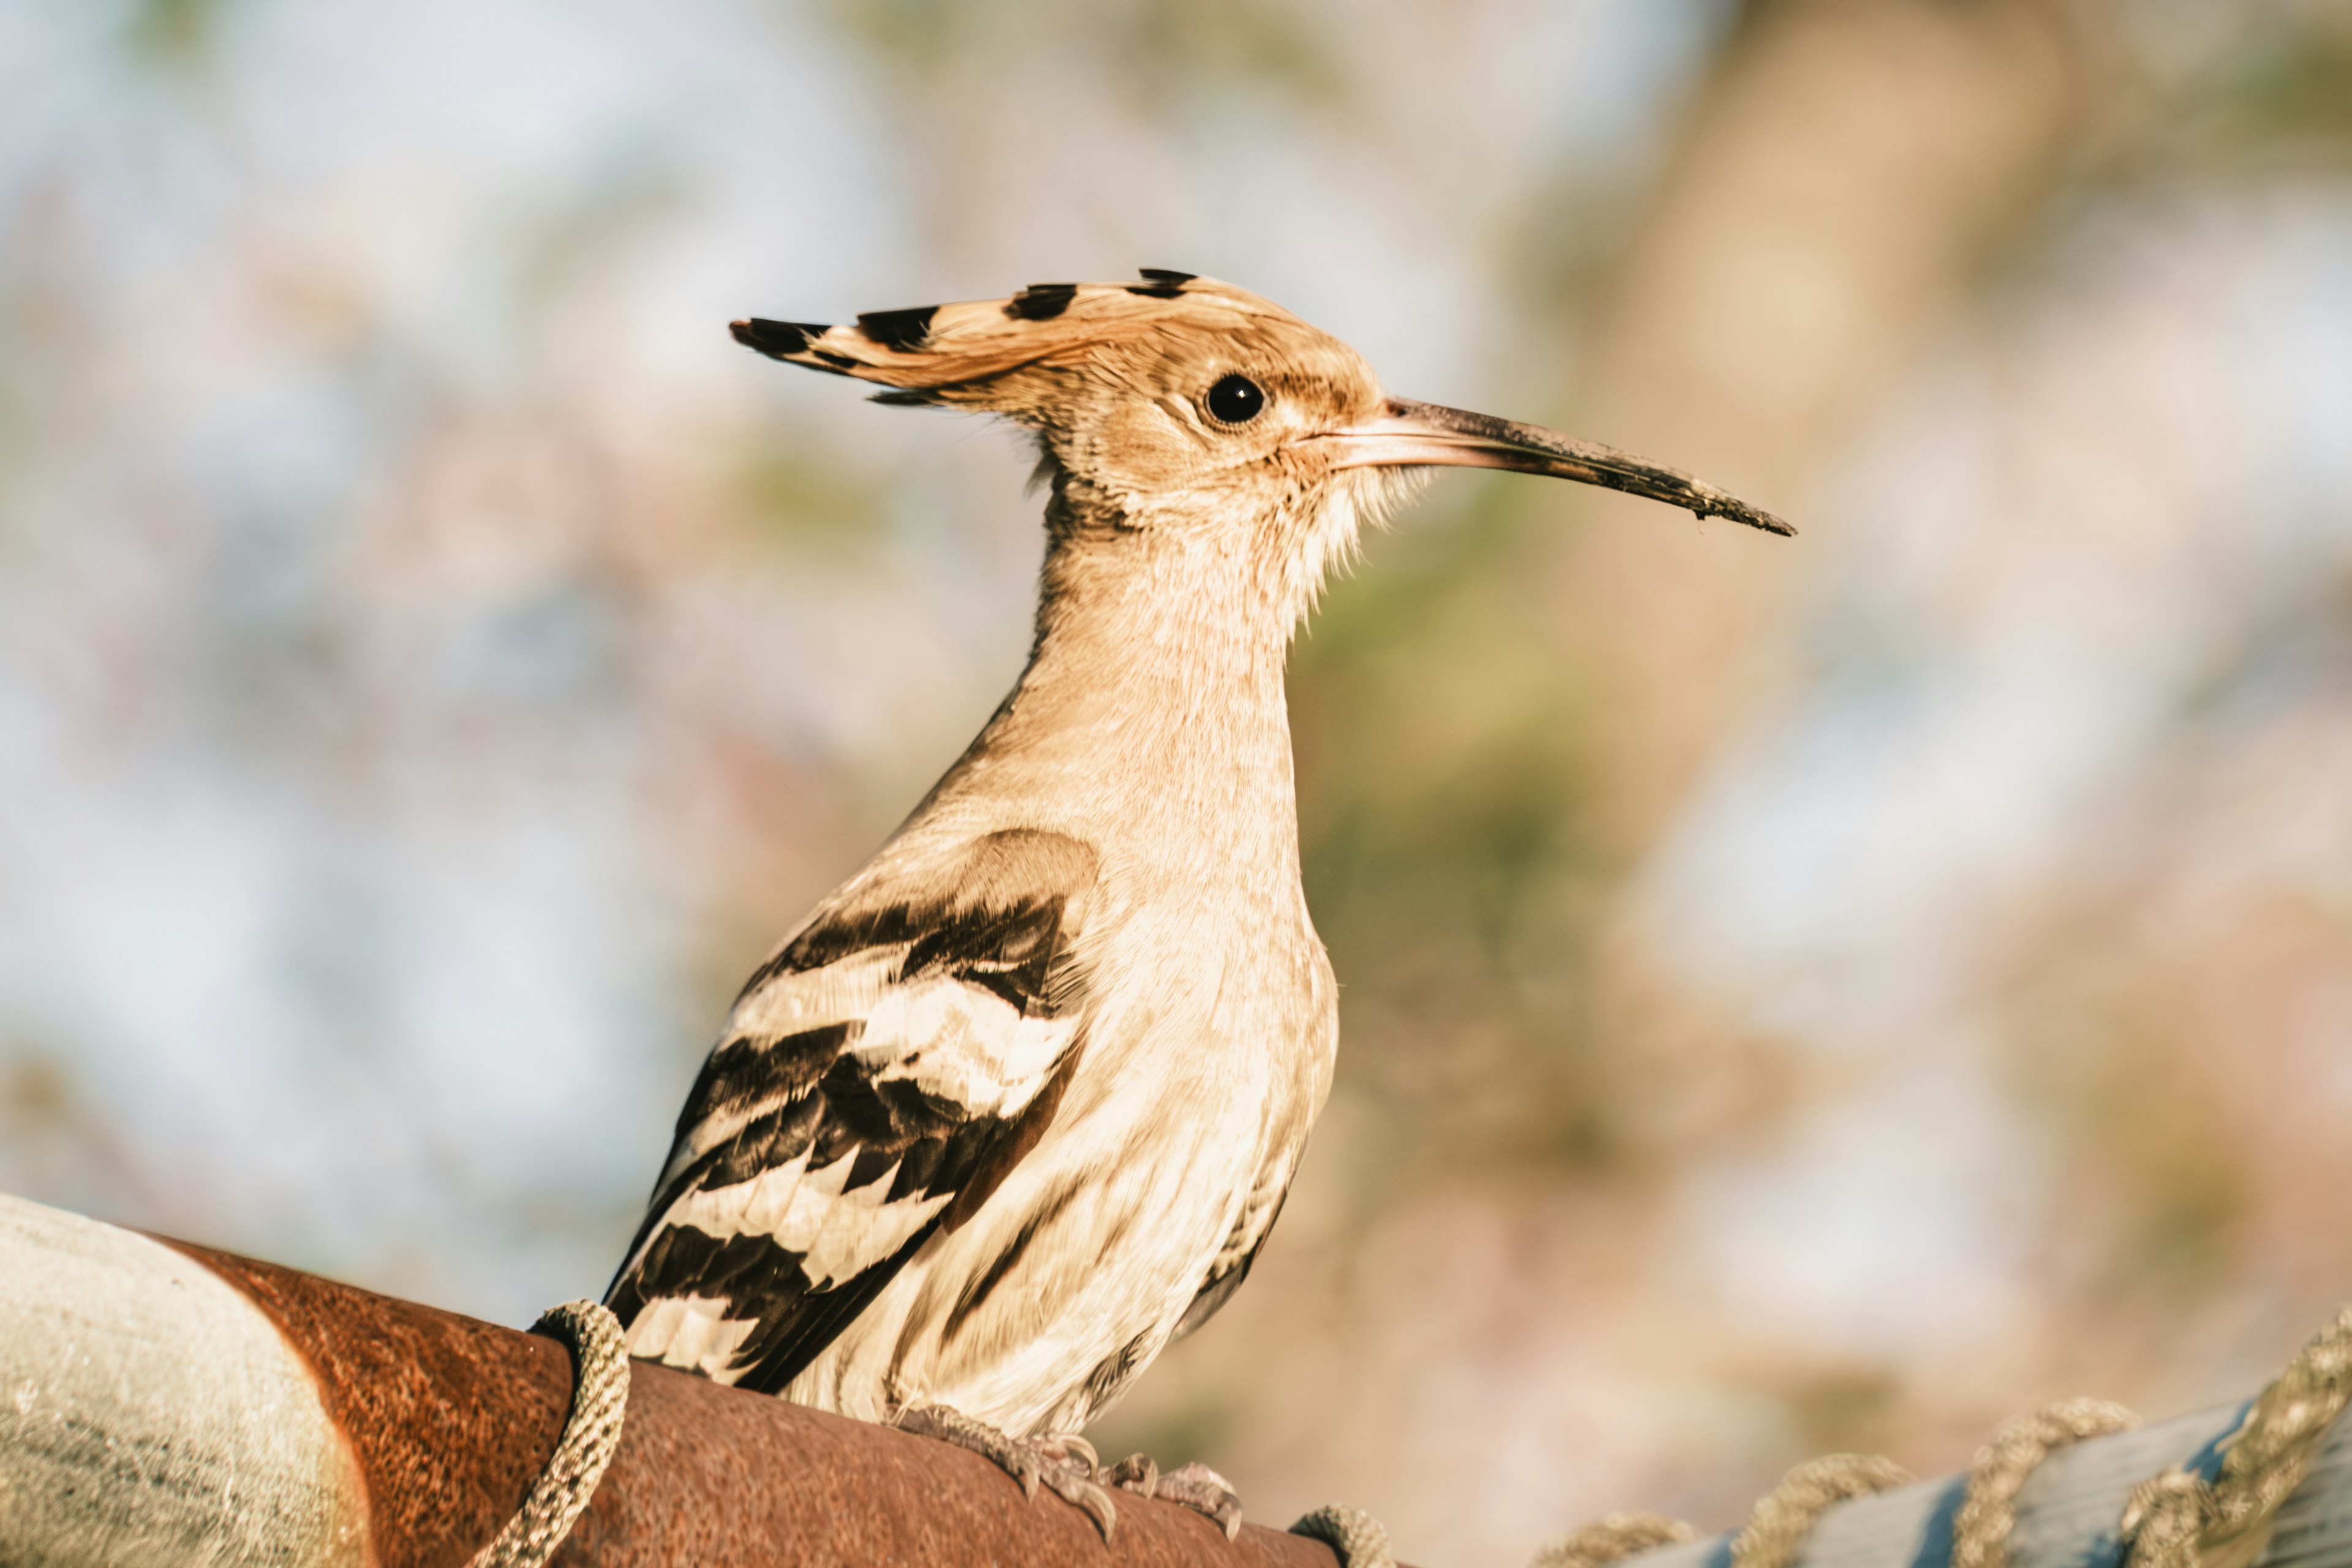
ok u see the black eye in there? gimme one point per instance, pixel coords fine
(1235, 400)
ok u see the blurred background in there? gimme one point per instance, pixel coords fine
(1799, 995)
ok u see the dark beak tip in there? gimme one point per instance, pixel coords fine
(1737, 510)
(1762, 522)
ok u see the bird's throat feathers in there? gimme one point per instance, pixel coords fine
(1218, 578)
(1162, 633)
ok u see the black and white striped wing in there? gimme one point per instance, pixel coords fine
(879, 1077)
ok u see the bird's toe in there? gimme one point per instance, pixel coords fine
(1081, 1492)
(1192, 1486)
(1136, 1473)
(1021, 1461)
(1074, 1448)
(1203, 1490)
(1067, 1466)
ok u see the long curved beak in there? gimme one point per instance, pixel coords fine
(1412, 434)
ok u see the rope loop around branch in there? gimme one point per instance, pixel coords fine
(1988, 1510)
(2179, 1520)
(1354, 1536)
(1612, 1539)
(2176, 1520)
(592, 1432)
(1785, 1516)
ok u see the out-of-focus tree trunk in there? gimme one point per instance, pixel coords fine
(1850, 167)
(1846, 172)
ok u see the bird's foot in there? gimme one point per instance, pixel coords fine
(1067, 1465)
(1195, 1486)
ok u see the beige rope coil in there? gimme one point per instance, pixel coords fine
(1777, 1527)
(2175, 1521)
(1988, 1510)
(2178, 1520)
(592, 1432)
(1354, 1536)
(1612, 1538)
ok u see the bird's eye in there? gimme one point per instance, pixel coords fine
(1235, 400)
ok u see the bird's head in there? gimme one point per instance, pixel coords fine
(1179, 406)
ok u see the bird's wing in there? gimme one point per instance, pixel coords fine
(878, 1078)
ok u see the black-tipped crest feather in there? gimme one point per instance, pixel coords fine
(777, 340)
(904, 330)
(1041, 302)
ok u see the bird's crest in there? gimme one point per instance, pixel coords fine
(948, 353)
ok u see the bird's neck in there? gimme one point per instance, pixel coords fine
(1154, 693)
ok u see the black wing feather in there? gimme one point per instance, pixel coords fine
(1002, 924)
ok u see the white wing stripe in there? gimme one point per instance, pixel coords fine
(806, 1212)
(842, 992)
(689, 1332)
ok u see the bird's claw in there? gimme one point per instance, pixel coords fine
(1071, 1447)
(1020, 1461)
(1066, 1465)
(1072, 1470)
(1081, 1492)
(1192, 1486)
(1203, 1490)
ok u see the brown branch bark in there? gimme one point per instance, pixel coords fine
(450, 1418)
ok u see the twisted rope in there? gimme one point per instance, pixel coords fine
(1988, 1510)
(1613, 1536)
(600, 1399)
(1776, 1528)
(2178, 1520)
(2173, 1520)
(1355, 1537)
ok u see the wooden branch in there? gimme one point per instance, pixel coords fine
(163, 1403)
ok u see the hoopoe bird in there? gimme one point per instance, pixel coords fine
(1017, 1104)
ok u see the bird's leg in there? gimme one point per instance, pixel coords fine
(1067, 1466)
(1195, 1486)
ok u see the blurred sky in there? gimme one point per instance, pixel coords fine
(436, 664)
